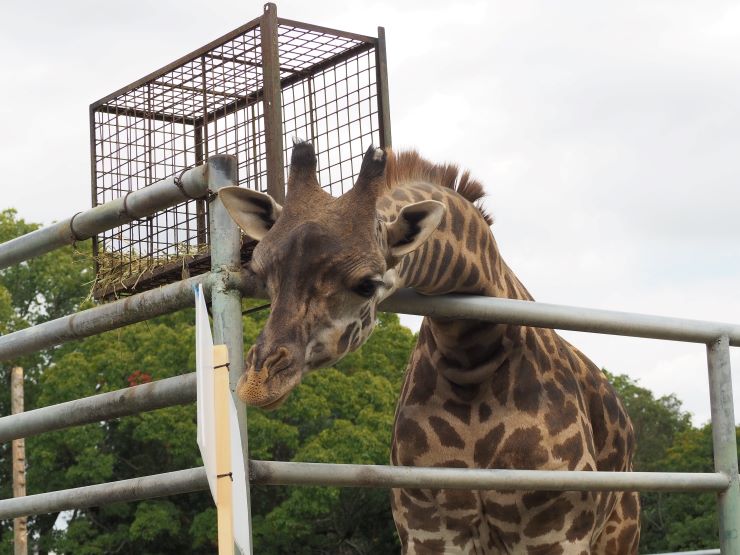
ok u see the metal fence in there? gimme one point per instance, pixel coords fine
(226, 283)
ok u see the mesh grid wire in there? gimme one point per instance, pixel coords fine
(212, 104)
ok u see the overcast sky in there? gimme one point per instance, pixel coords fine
(607, 135)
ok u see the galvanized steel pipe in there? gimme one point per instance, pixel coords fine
(178, 295)
(724, 443)
(137, 204)
(92, 321)
(226, 301)
(135, 489)
(544, 315)
(359, 475)
(136, 308)
(178, 390)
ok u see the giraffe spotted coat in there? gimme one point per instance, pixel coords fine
(476, 394)
(481, 395)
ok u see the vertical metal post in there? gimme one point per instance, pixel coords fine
(226, 303)
(20, 531)
(94, 184)
(381, 78)
(272, 104)
(725, 443)
(200, 204)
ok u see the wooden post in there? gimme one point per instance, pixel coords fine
(20, 532)
(223, 450)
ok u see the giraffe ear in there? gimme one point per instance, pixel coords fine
(414, 224)
(253, 211)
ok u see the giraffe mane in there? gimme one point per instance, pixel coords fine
(408, 165)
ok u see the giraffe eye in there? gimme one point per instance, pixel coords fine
(367, 287)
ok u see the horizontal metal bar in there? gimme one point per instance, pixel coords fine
(135, 489)
(362, 475)
(178, 295)
(136, 308)
(325, 30)
(544, 315)
(121, 111)
(178, 390)
(125, 209)
(92, 321)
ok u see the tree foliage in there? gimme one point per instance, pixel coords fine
(657, 422)
(667, 442)
(342, 414)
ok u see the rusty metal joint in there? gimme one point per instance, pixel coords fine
(125, 211)
(74, 233)
(220, 279)
(210, 195)
(178, 183)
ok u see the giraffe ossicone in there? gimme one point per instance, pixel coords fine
(476, 394)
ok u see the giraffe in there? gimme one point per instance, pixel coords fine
(476, 394)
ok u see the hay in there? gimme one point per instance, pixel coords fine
(120, 272)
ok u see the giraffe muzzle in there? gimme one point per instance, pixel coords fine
(268, 383)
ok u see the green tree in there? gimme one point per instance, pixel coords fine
(335, 416)
(657, 421)
(683, 521)
(339, 415)
(32, 292)
(667, 442)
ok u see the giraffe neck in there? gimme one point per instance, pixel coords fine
(460, 257)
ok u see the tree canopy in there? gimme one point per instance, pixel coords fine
(341, 414)
(667, 442)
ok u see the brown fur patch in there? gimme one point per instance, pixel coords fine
(428, 546)
(422, 518)
(459, 499)
(571, 450)
(545, 549)
(550, 519)
(486, 447)
(447, 435)
(459, 410)
(503, 513)
(537, 498)
(580, 526)
(522, 450)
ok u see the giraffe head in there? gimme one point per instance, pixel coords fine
(326, 263)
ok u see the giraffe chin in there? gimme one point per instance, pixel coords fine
(277, 403)
(255, 390)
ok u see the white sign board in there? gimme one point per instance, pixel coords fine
(205, 393)
(239, 492)
(207, 428)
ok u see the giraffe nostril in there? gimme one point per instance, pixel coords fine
(275, 362)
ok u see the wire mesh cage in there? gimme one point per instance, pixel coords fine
(247, 93)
